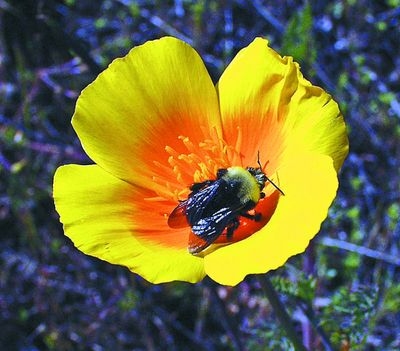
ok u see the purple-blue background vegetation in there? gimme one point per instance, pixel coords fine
(343, 293)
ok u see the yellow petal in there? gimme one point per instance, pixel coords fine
(277, 110)
(98, 212)
(142, 103)
(310, 185)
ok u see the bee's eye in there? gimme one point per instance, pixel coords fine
(221, 172)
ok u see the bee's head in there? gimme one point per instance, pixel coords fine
(257, 173)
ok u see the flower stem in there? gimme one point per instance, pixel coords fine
(281, 313)
(226, 321)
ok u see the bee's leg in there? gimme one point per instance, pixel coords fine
(231, 228)
(196, 187)
(255, 217)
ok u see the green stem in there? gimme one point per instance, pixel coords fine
(281, 313)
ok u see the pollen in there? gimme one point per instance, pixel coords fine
(196, 162)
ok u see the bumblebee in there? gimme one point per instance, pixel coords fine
(214, 206)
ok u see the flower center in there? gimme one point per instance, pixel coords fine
(187, 162)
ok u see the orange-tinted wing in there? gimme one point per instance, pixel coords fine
(177, 218)
(196, 244)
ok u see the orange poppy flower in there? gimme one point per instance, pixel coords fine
(154, 123)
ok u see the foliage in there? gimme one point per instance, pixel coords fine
(297, 41)
(347, 316)
(343, 290)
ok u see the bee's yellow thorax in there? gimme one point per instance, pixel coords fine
(249, 189)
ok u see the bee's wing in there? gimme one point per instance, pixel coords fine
(208, 229)
(192, 209)
(198, 205)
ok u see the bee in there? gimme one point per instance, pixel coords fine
(215, 206)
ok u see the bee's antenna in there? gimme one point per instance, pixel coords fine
(259, 163)
(258, 159)
(277, 187)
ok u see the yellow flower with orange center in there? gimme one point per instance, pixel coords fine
(155, 124)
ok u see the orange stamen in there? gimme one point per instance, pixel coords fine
(201, 162)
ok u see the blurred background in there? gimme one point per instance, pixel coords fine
(342, 294)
